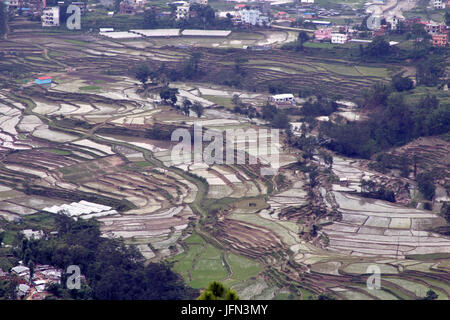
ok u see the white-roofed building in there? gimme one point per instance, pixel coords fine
(82, 209)
(285, 98)
(339, 38)
(22, 289)
(157, 32)
(206, 33)
(119, 35)
(30, 234)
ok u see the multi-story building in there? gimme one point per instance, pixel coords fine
(253, 17)
(16, 4)
(435, 28)
(339, 38)
(440, 40)
(50, 17)
(439, 4)
(183, 11)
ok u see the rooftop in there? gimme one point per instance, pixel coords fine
(206, 33)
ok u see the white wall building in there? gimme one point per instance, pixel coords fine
(253, 17)
(202, 2)
(339, 38)
(50, 17)
(439, 4)
(282, 98)
(183, 11)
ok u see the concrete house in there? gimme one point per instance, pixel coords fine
(50, 17)
(339, 38)
(285, 98)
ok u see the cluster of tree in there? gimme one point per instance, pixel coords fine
(162, 75)
(430, 70)
(402, 83)
(379, 47)
(169, 95)
(431, 295)
(191, 66)
(113, 270)
(277, 87)
(241, 108)
(385, 161)
(187, 106)
(369, 189)
(298, 44)
(445, 211)
(277, 118)
(319, 107)
(425, 182)
(307, 144)
(8, 289)
(391, 122)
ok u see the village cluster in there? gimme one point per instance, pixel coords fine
(32, 283)
(247, 14)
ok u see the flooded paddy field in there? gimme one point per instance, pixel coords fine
(94, 134)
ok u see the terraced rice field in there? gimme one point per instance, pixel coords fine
(227, 222)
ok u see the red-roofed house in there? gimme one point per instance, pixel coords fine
(323, 34)
(281, 15)
(43, 80)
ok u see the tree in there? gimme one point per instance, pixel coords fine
(280, 121)
(142, 73)
(150, 19)
(113, 269)
(238, 63)
(236, 100)
(429, 71)
(402, 83)
(198, 109)
(168, 93)
(425, 182)
(217, 291)
(302, 37)
(190, 69)
(419, 33)
(378, 47)
(186, 106)
(328, 159)
(3, 19)
(447, 17)
(117, 5)
(431, 295)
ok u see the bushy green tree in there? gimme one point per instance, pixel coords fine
(425, 182)
(3, 19)
(142, 73)
(198, 109)
(402, 83)
(217, 291)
